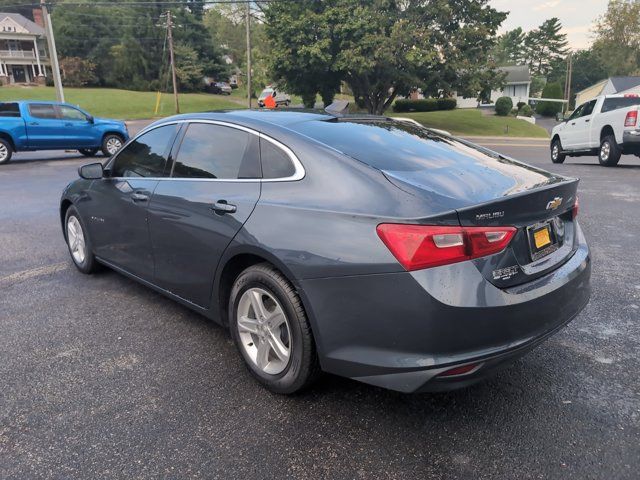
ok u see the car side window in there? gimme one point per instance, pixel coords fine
(70, 113)
(577, 112)
(588, 108)
(275, 162)
(42, 110)
(216, 151)
(146, 156)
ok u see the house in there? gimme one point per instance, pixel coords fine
(518, 82)
(23, 56)
(609, 86)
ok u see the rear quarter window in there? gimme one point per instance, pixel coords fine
(616, 103)
(9, 110)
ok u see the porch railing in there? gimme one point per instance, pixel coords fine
(20, 54)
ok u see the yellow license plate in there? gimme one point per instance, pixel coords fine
(542, 238)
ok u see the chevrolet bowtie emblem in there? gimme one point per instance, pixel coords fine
(555, 203)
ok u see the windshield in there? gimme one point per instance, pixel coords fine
(265, 93)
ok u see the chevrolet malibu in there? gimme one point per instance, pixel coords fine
(366, 247)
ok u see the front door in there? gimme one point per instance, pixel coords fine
(19, 75)
(78, 131)
(569, 133)
(194, 215)
(118, 211)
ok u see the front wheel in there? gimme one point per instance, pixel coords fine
(88, 152)
(79, 243)
(5, 151)
(610, 152)
(556, 152)
(270, 328)
(111, 144)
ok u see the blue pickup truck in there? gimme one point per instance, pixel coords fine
(26, 126)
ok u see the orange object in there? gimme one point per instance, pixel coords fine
(270, 102)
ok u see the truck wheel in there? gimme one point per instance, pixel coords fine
(88, 152)
(610, 152)
(111, 144)
(5, 151)
(556, 152)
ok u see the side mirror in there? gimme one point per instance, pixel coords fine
(90, 119)
(92, 171)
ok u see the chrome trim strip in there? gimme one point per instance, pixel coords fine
(298, 174)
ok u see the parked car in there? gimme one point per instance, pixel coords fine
(26, 126)
(362, 246)
(281, 98)
(220, 88)
(606, 126)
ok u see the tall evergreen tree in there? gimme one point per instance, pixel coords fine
(545, 45)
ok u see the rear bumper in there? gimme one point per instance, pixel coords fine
(401, 330)
(631, 141)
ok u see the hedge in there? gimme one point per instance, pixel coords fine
(424, 105)
(503, 106)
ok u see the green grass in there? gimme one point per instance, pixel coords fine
(123, 104)
(472, 122)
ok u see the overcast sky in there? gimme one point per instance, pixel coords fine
(576, 16)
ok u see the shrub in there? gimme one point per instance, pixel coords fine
(519, 105)
(526, 111)
(514, 111)
(447, 103)
(77, 72)
(549, 109)
(503, 106)
(424, 105)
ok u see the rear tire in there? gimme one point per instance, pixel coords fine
(111, 143)
(78, 242)
(280, 327)
(609, 153)
(88, 152)
(556, 152)
(6, 151)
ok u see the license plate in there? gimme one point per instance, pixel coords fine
(542, 238)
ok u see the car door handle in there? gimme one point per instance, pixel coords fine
(221, 207)
(34, 123)
(68, 124)
(139, 197)
(587, 120)
(573, 123)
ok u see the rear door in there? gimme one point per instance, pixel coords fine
(193, 215)
(44, 128)
(117, 211)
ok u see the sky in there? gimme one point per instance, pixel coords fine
(576, 16)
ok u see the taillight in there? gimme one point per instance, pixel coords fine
(631, 119)
(576, 207)
(425, 246)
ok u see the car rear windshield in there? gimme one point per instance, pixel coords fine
(389, 145)
(615, 103)
(9, 110)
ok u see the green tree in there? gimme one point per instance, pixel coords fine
(77, 72)
(587, 69)
(549, 109)
(617, 39)
(188, 67)
(545, 45)
(509, 49)
(380, 48)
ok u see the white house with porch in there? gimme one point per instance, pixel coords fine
(23, 55)
(517, 86)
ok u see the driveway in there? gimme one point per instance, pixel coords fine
(103, 378)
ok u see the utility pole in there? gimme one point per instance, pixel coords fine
(567, 81)
(173, 63)
(51, 41)
(248, 22)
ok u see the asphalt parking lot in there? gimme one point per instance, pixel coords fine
(103, 378)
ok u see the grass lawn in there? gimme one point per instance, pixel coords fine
(123, 104)
(472, 122)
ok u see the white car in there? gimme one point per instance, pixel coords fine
(280, 97)
(606, 126)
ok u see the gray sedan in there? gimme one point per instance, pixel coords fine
(362, 246)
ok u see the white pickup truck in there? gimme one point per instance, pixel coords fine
(606, 126)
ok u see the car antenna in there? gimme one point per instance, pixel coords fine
(338, 107)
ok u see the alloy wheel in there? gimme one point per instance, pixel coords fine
(555, 151)
(4, 152)
(264, 331)
(75, 238)
(605, 150)
(113, 145)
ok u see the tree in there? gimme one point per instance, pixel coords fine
(587, 69)
(617, 39)
(509, 49)
(380, 48)
(77, 72)
(188, 68)
(545, 45)
(549, 109)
